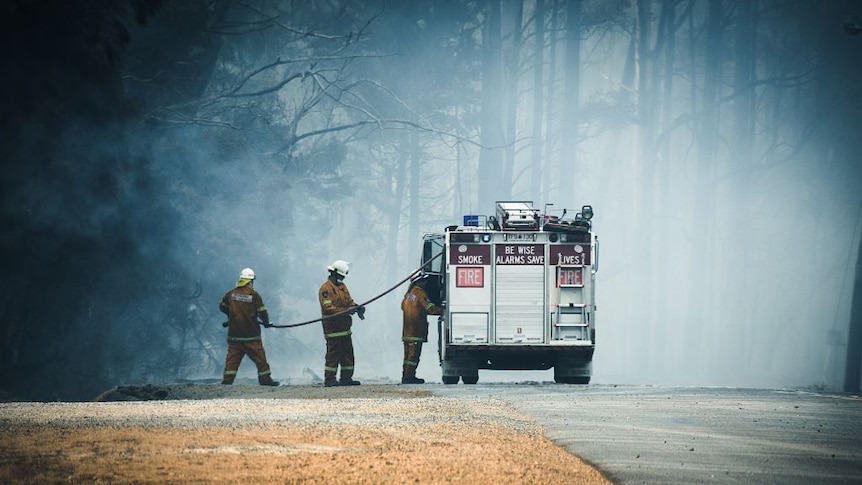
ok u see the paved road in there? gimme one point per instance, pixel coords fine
(695, 435)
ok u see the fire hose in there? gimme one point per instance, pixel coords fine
(357, 308)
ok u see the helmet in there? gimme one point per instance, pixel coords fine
(420, 279)
(339, 266)
(247, 274)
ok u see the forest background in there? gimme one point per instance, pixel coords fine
(154, 148)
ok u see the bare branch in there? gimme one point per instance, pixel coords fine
(150, 79)
(271, 89)
(313, 61)
(274, 20)
(778, 82)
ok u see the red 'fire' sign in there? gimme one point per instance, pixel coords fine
(469, 277)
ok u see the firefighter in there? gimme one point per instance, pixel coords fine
(416, 308)
(243, 307)
(335, 299)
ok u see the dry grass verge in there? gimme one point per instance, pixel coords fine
(402, 438)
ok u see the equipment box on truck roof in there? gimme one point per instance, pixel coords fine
(515, 215)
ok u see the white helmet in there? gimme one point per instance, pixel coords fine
(247, 274)
(339, 266)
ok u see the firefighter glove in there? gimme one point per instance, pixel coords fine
(361, 312)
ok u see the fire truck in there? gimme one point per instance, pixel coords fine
(519, 292)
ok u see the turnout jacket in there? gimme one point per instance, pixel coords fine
(335, 299)
(416, 308)
(243, 305)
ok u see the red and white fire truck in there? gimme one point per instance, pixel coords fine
(519, 293)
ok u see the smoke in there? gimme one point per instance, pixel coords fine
(776, 287)
(128, 233)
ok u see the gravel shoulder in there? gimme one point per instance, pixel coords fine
(207, 433)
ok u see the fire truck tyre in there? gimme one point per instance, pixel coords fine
(450, 379)
(572, 380)
(470, 379)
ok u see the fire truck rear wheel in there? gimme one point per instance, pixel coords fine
(450, 379)
(470, 379)
(572, 380)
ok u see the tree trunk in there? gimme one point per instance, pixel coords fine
(740, 284)
(854, 336)
(513, 69)
(415, 198)
(569, 169)
(667, 43)
(644, 170)
(395, 211)
(550, 183)
(538, 102)
(491, 153)
(701, 265)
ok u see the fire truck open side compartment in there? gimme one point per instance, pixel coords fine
(519, 293)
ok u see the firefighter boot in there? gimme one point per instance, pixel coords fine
(348, 382)
(408, 375)
(331, 383)
(269, 382)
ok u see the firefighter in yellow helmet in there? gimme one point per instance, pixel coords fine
(243, 306)
(335, 299)
(416, 308)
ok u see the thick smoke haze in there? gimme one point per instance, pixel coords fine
(147, 164)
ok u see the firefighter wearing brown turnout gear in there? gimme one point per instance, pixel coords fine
(416, 308)
(243, 306)
(335, 298)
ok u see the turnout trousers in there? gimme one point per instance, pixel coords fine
(339, 352)
(412, 352)
(254, 350)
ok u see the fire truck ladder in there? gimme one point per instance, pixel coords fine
(572, 318)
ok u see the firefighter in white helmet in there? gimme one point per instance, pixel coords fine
(243, 307)
(416, 307)
(335, 299)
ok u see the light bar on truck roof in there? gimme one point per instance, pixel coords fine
(471, 220)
